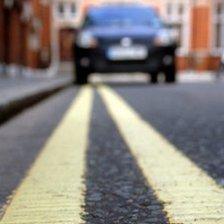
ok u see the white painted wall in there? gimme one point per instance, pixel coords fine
(67, 18)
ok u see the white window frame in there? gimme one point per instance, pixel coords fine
(217, 51)
(67, 14)
(58, 13)
(71, 6)
(185, 19)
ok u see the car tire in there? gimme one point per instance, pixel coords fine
(81, 76)
(154, 77)
(170, 74)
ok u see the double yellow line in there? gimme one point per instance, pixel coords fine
(53, 191)
(188, 194)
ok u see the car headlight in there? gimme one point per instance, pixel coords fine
(86, 40)
(166, 38)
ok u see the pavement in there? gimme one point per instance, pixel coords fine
(19, 92)
(182, 77)
(116, 154)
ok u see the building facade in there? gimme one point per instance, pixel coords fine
(37, 33)
(25, 27)
(200, 24)
(66, 17)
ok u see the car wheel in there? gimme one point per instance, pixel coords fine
(170, 74)
(154, 77)
(81, 76)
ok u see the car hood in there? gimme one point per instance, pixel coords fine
(142, 32)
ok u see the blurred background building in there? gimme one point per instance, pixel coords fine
(201, 30)
(25, 40)
(66, 17)
(38, 34)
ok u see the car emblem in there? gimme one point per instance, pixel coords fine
(126, 42)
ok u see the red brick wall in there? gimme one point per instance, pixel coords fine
(24, 44)
(200, 38)
(32, 55)
(45, 36)
(183, 62)
(14, 37)
(200, 28)
(40, 58)
(2, 49)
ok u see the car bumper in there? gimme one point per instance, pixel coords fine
(95, 60)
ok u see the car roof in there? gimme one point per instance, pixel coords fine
(120, 6)
(108, 9)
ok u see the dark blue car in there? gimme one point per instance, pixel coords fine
(124, 38)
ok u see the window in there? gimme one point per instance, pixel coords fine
(169, 9)
(61, 8)
(178, 14)
(73, 8)
(218, 16)
(181, 9)
(65, 10)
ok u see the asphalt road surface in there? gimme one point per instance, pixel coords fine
(116, 154)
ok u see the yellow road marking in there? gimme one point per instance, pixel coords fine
(52, 192)
(189, 194)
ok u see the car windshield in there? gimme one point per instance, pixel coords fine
(122, 16)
